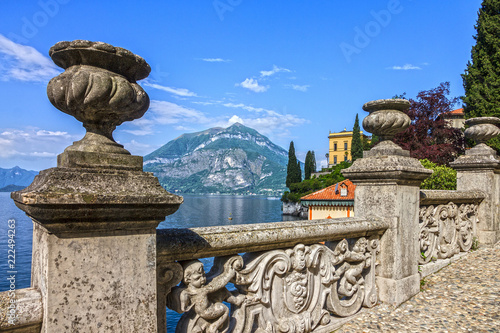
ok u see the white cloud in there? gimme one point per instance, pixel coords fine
(298, 87)
(33, 148)
(273, 71)
(176, 91)
(235, 119)
(138, 148)
(184, 128)
(170, 113)
(252, 85)
(405, 67)
(43, 154)
(166, 113)
(245, 107)
(24, 63)
(215, 60)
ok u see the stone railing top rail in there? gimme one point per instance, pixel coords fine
(439, 197)
(28, 311)
(186, 244)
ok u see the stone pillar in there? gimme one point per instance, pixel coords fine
(479, 169)
(388, 181)
(95, 214)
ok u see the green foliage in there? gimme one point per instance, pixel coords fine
(356, 146)
(299, 171)
(308, 186)
(293, 173)
(422, 284)
(482, 76)
(313, 161)
(307, 166)
(475, 244)
(443, 177)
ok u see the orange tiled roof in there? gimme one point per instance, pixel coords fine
(457, 111)
(329, 193)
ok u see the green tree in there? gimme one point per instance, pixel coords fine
(293, 175)
(482, 76)
(443, 177)
(356, 145)
(299, 173)
(300, 189)
(313, 161)
(307, 165)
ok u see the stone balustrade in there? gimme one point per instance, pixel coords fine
(448, 226)
(286, 281)
(100, 265)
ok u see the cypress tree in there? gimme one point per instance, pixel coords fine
(313, 162)
(291, 170)
(356, 145)
(482, 76)
(307, 165)
(298, 173)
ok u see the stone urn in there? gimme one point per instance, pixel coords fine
(482, 129)
(98, 88)
(386, 119)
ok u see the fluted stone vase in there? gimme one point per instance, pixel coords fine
(98, 88)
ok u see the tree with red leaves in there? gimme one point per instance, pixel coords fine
(429, 136)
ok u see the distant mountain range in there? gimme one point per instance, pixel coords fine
(236, 160)
(15, 179)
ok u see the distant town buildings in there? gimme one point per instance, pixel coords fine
(455, 118)
(331, 202)
(340, 147)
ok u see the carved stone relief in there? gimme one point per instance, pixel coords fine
(287, 290)
(446, 230)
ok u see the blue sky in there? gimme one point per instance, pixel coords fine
(293, 70)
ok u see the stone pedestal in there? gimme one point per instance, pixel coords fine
(95, 214)
(388, 181)
(479, 169)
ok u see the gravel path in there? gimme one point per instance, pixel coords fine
(462, 297)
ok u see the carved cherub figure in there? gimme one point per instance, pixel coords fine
(352, 268)
(205, 300)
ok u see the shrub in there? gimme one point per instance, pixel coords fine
(443, 178)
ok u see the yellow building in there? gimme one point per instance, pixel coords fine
(340, 147)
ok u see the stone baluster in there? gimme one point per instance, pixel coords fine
(479, 169)
(388, 181)
(95, 214)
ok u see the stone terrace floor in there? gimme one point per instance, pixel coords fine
(462, 297)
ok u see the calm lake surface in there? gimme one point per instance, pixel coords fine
(196, 211)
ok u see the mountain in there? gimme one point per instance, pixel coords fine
(16, 176)
(11, 188)
(237, 160)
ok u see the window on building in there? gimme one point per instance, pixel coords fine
(345, 145)
(345, 157)
(334, 159)
(343, 192)
(335, 146)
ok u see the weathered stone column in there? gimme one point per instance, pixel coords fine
(388, 181)
(95, 214)
(479, 169)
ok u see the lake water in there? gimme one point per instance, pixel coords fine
(196, 211)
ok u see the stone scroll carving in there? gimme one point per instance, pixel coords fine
(303, 289)
(446, 230)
